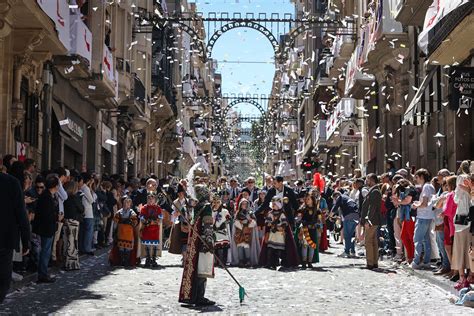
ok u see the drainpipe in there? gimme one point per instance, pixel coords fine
(47, 106)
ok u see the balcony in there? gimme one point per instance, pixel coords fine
(125, 78)
(324, 86)
(385, 41)
(357, 82)
(341, 50)
(343, 111)
(319, 133)
(103, 85)
(77, 64)
(449, 39)
(189, 147)
(410, 12)
(137, 103)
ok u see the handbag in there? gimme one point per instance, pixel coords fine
(461, 220)
(471, 218)
(205, 265)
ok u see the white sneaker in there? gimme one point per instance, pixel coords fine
(16, 277)
(426, 266)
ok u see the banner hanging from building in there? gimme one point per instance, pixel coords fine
(438, 10)
(58, 11)
(81, 38)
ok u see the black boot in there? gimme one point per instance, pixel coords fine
(147, 262)
(154, 263)
(303, 266)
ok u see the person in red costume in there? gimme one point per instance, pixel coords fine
(318, 181)
(151, 216)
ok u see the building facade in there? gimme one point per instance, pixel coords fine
(389, 82)
(101, 86)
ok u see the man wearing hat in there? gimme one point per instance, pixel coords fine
(199, 262)
(151, 216)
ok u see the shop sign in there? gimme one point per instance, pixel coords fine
(462, 87)
(76, 127)
(350, 134)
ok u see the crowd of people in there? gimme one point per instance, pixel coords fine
(406, 215)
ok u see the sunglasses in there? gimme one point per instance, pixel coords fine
(40, 187)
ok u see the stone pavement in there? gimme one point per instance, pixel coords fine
(337, 286)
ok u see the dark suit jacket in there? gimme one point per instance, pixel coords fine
(371, 207)
(14, 221)
(231, 194)
(290, 207)
(46, 215)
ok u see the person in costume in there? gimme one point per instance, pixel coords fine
(124, 248)
(199, 261)
(221, 217)
(181, 218)
(308, 230)
(245, 237)
(278, 241)
(276, 222)
(261, 216)
(151, 216)
(323, 207)
(226, 202)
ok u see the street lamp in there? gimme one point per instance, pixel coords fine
(438, 137)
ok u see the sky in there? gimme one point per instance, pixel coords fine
(244, 44)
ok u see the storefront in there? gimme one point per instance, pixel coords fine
(68, 138)
(73, 128)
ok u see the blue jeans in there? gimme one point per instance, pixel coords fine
(88, 235)
(442, 251)
(44, 255)
(349, 227)
(422, 240)
(307, 253)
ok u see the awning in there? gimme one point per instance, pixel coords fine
(62, 120)
(429, 93)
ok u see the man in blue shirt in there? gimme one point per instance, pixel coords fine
(350, 218)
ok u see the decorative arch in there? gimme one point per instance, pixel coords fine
(247, 24)
(243, 100)
(290, 41)
(199, 43)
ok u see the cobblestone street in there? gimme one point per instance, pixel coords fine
(336, 286)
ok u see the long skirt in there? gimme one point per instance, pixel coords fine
(324, 242)
(71, 252)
